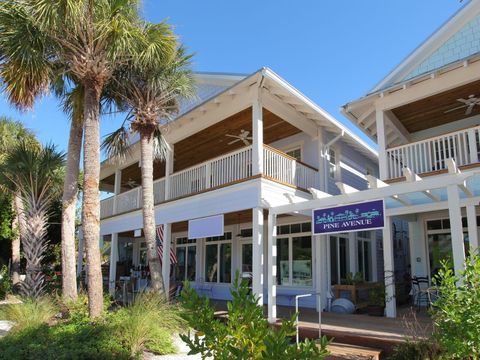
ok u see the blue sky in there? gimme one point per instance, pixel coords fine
(332, 51)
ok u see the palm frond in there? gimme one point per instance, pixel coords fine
(116, 145)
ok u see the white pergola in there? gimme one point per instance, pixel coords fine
(451, 191)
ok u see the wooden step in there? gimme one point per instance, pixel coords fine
(352, 352)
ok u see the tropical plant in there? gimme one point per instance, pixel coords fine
(456, 312)
(35, 175)
(151, 94)
(5, 282)
(86, 40)
(11, 132)
(245, 333)
(30, 313)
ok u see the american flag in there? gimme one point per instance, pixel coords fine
(161, 237)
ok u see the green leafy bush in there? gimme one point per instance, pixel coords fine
(425, 349)
(456, 312)
(30, 313)
(148, 324)
(5, 282)
(245, 334)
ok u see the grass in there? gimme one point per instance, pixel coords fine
(123, 334)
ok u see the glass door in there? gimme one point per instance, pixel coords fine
(338, 258)
(246, 256)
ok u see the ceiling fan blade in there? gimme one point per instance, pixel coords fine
(233, 141)
(465, 101)
(469, 109)
(455, 108)
(246, 142)
(234, 136)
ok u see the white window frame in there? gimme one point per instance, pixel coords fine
(290, 237)
(186, 246)
(218, 243)
(294, 146)
(336, 172)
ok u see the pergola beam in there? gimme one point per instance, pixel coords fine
(410, 176)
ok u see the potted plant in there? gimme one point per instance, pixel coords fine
(376, 301)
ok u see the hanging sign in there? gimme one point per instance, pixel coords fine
(368, 215)
(205, 227)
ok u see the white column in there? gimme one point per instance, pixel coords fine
(455, 215)
(272, 268)
(382, 144)
(322, 166)
(117, 188)
(373, 242)
(352, 252)
(389, 271)
(324, 272)
(113, 264)
(257, 135)
(167, 240)
(81, 248)
(472, 144)
(168, 171)
(472, 228)
(257, 244)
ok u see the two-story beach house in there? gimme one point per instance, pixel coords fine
(425, 116)
(248, 143)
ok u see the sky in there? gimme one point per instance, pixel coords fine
(332, 51)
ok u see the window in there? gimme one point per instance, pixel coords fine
(332, 163)
(186, 250)
(143, 254)
(295, 153)
(294, 255)
(338, 258)
(364, 254)
(218, 258)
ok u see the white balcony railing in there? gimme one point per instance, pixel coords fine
(430, 154)
(223, 170)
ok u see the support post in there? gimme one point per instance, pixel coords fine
(382, 144)
(352, 252)
(456, 228)
(322, 166)
(272, 268)
(117, 188)
(257, 135)
(472, 144)
(257, 243)
(389, 270)
(167, 239)
(168, 172)
(472, 228)
(324, 270)
(113, 264)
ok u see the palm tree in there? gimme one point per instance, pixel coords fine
(86, 40)
(34, 173)
(11, 132)
(151, 94)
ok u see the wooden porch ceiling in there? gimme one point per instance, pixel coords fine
(430, 112)
(132, 176)
(212, 141)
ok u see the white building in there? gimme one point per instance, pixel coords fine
(289, 145)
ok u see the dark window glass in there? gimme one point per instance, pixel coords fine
(283, 268)
(211, 263)
(180, 268)
(434, 225)
(246, 232)
(306, 227)
(295, 228)
(225, 263)
(191, 263)
(302, 261)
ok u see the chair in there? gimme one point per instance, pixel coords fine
(420, 286)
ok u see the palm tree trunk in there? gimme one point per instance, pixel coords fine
(69, 200)
(18, 226)
(146, 143)
(91, 199)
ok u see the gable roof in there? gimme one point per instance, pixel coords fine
(457, 39)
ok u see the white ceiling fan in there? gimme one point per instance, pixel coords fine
(131, 183)
(243, 136)
(468, 103)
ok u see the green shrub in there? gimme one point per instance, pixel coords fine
(417, 350)
(30, 313)
(245, 334)
(5, 282)
(456, 313)
(148, 324)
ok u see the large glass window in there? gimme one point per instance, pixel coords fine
(364, 254)
(218, 258)
(186, 251)
(338, 258)
(294, 255)
(295, 153)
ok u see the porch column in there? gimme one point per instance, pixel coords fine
(117, 188)
(382, 144)
(257, 135)
(167, 240)
(113, 264)
(272, 268)
(81, 249)
(257, 252)
(321, 274)
(472, 228)
(352, 252)
(373, 243)
(389, 271)
(322, 166)
(168, 171)
(456, 228)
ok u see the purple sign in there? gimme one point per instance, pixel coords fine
(362, 216)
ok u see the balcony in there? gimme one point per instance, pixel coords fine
(224, 170)
(428, 156)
